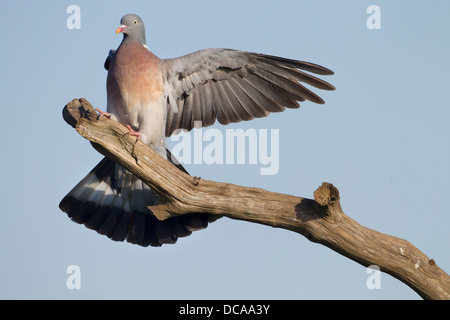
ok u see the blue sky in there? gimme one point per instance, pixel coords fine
(382, 138)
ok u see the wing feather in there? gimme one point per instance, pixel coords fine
(233, 110)
(232, 86)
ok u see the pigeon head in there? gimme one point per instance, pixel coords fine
(132, 27)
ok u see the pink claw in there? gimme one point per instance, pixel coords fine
(102, 113)
(134, 133)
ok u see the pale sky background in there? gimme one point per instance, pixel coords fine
(382, 139)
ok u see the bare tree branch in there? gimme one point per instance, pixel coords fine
(320, 220)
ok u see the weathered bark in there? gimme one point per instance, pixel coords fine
(320, 220)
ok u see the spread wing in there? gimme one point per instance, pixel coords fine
(232, 86)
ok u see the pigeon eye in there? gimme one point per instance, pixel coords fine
(135, 21)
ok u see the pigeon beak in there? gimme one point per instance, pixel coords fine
(120, 29)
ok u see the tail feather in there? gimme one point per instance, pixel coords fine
(116, 204)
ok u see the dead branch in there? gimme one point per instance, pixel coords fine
(320, 220)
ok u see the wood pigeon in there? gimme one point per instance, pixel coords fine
(155, 97)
